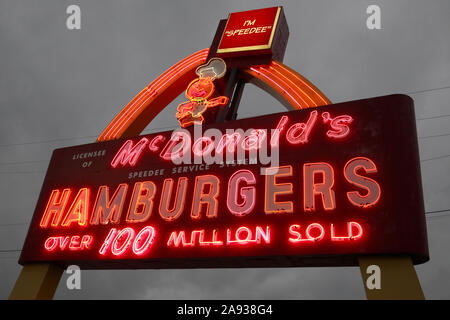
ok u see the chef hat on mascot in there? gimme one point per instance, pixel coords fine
(215, 69)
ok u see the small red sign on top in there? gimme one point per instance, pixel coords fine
(246, 31)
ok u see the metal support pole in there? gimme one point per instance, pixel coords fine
(37, 282)
(235, 100)
(397, 278)
(231, 84)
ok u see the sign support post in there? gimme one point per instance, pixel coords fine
(397, 276)
(37, 282)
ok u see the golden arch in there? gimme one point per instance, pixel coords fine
(283, 83)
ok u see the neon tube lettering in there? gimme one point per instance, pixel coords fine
(273, 189)
(202, 197)
(108, 210)
(299, 133)
(350, 236)
(294, 231)
(120, 245)
(73, 243)
(129, 154)
(214, 241)
(176, 238)
(179, 199)
(203, 145)
(254, 140)
(311, 188)
(229, 141)
(141, 202)
(247, 194)
(275, 139)
(260, 234)
(141, 244)
(107, 243)
(177, 146)
(155, 143)
(373, 188)
(55, 206)
(339, 125)
(78, 211)
(86, 242)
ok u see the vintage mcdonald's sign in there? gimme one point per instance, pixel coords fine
(346, 183)
(319, 185)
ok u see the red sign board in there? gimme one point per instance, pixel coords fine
(337, 182)
(249, 31)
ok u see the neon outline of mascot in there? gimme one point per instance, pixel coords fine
(199, 91)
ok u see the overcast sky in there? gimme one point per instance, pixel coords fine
(58, 84)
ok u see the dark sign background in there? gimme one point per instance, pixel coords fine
(383, 130)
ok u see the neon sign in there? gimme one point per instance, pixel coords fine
(240, 194)
(180, 142)
(347, 183)
(200, 92)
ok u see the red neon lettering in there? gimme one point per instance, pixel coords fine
(201, 238)
(312, 188)
(86, 242)
(372, 187)
(72, 242)
(203, 145)
(122, 241)
(228, 141)
(254, 140)
(208, 198)
(143, 241)
(246, 193)
(129, 154)
(275, 139)
(315, 226)
(242, 235)
(107, 210)
(339, 125)
(295, 233)
(273, 189)
(350, 236)
(119, 242)
(177, 238)
(141, 202)
(237, 235)
(181, 139)
(155, 143)
(179, 199)
(55, 206)
(260, 234)
(107, 243)
(78, 211)
(51, 243)
(299, 132)
(309, 237)
(214, 241)
(63, 242)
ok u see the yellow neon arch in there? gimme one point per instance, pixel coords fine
(283, 83)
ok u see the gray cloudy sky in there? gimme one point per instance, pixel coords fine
(58, 85)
